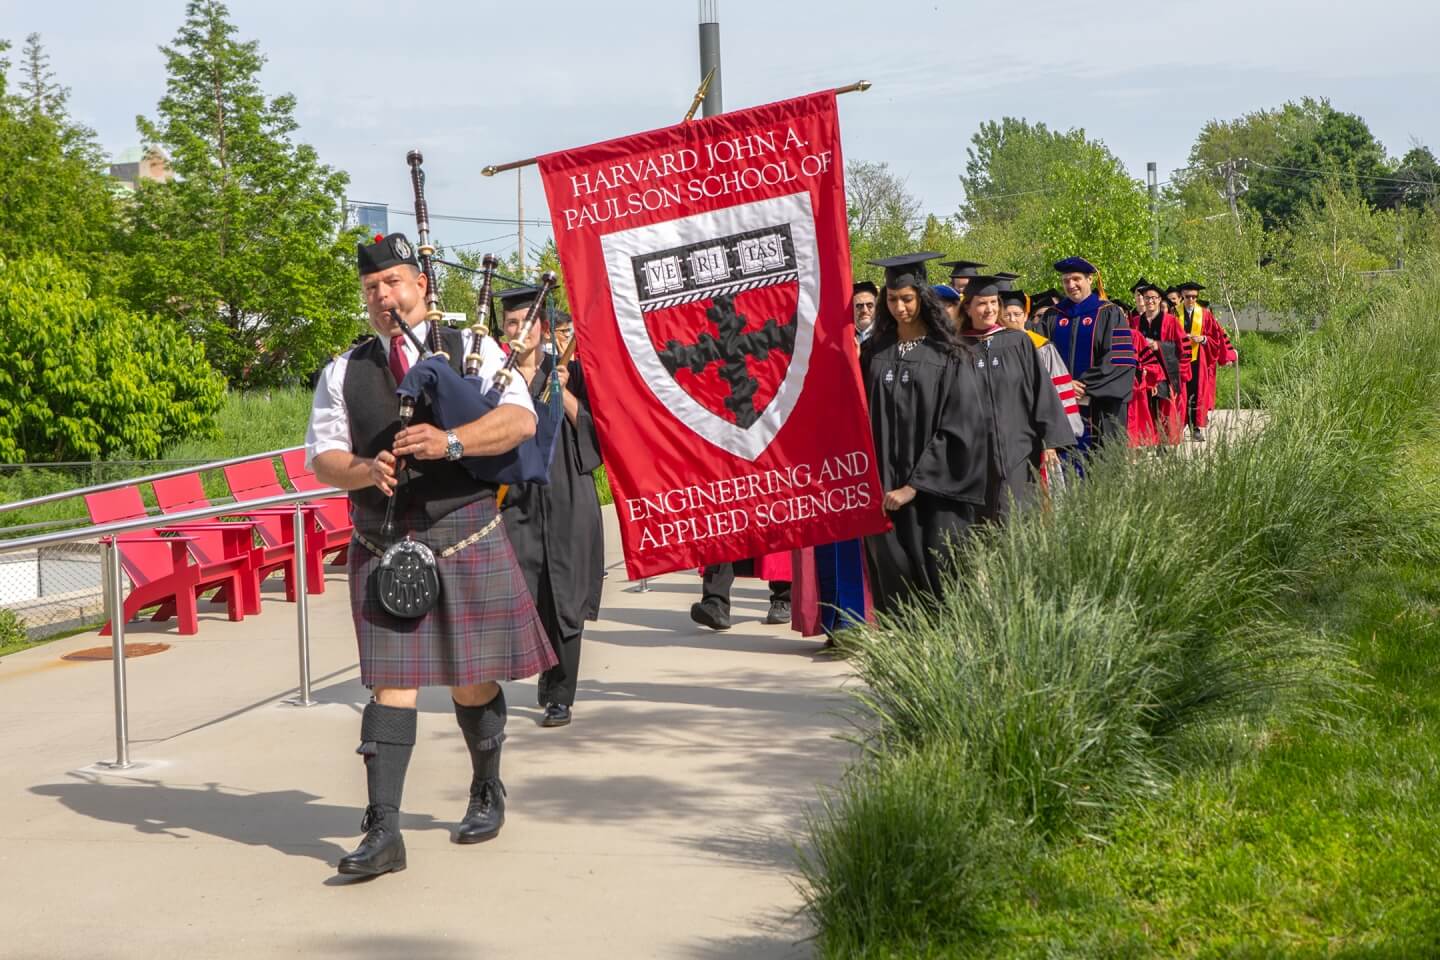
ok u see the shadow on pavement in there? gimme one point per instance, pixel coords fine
(393, 948)
(287, 821)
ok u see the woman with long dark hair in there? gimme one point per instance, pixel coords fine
(1026, 420)
(929, 430)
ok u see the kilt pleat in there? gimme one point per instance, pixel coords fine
(483, 627)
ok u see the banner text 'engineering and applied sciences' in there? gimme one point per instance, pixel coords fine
(768, 498)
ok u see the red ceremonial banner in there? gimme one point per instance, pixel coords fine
(708, 268)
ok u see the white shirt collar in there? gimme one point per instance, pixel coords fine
(420, 329)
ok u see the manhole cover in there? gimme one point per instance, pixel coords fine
(132, 650)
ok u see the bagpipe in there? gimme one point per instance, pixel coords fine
(456, 399)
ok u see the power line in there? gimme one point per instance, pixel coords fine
(498, 221)
(476, 243)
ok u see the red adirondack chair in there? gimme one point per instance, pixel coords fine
(186, 492)
(160, 568)
(333, 513)
(254, 479)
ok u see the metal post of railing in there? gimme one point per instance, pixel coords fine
(302, 609)
(115, 588)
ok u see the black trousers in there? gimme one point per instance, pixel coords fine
(557, 685)
(1108, 422)
(1192, 391)
(719, 578)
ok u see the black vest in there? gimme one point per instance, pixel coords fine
(439, 485)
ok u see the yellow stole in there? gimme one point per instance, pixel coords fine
(1196, 328)
(1037, 339)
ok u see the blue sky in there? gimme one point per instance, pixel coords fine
(484, 82)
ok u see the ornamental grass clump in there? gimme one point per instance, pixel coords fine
(1081, 655)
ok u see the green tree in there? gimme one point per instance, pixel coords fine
(244, 246)
(55, 194)
(1340, 148)
(1417, 180)
(1261, 137)
(1337, 238)
(1010, 162)
(882, 213)
(86, 378)
(1095, 211)
(38, 87)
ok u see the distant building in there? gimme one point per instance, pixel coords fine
(374, 217)
(151, 164)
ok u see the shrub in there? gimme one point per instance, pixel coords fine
(1081, 655)
(84, 377)
(12, 631)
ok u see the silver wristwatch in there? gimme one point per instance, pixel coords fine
(453, 450)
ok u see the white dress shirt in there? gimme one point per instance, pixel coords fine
(330, 421)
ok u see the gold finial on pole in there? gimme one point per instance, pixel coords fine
(858, 87)
(700, 95)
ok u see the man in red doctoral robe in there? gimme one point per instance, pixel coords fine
(1158, 332)
(1209, 348)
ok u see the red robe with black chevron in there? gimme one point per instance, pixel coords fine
(1149, 374)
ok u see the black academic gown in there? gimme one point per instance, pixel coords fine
(930, 434)
(558, 538)
(1024, 413)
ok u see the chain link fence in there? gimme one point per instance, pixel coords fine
(57, 588)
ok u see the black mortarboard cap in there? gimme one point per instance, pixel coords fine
(1045, 298)
(982, 287)
(962, 268)
(906, 270)
(1012, 296)
(1007, 281)
(1141, 284)
(384, 253)
(517, 297)
(1190, 285)
(865, 286)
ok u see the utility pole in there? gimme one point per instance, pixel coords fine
(1231, 193)
(520, 217)
(1152, 178)
(710, 55)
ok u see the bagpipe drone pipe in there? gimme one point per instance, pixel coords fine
(455, 400)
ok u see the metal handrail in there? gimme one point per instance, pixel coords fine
(115, 590)
(165, 520)
(117, 484)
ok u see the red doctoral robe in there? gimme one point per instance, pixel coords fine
(1149, 374)
(1216, 351)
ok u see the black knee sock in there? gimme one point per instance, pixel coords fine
(484, 730)
(387, 737)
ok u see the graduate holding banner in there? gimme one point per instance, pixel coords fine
(708, 268)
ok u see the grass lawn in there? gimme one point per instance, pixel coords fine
(1261, 356)
(1324, 844)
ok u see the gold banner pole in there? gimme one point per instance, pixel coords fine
(859, 86)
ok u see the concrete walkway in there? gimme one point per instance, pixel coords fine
(659, 824)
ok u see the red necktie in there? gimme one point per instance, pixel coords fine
(398, 363)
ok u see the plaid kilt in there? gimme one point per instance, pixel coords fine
(484, 626)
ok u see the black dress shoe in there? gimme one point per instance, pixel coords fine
(486, 813)
(382, 850)
(556, 715)
(779, 612)
(707, 616)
